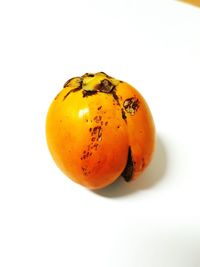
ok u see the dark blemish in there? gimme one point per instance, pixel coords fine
(99, 138)
(106, 123)
(131, 105)
(115, 97)
(102, 123)
(97, 119)
(129, 169)
(86, 153)
(118, 126)
(84, 169)
(86, 120)
(90, 129)
(105, 86)
(95, 146)
(73, 90)
(96, 129)
(98, 161)
(123, 114)
(88, 92)
(90, 153)
(99, 107)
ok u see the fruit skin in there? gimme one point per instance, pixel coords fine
(94, 125)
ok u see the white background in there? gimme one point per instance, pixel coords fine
(47, 220)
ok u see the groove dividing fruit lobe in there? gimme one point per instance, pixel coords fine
(99, 128)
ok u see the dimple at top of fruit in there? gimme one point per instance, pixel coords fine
(99, 128)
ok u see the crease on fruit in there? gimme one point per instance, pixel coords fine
(128, 171)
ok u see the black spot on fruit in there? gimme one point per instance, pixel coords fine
(129, 169)
(105, 86)
(123, 114)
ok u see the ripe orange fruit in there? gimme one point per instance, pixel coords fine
(99, 128)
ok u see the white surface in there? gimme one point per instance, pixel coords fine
(47, 220)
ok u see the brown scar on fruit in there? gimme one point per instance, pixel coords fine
(105, 86)
(123, 114)
(131, 105)
(99, 137)
(97, 119)
(95, 146)
(116, 98)
(127, 173)
(96, 129)
(89, 93)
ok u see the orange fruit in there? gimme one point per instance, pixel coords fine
(99, 128)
